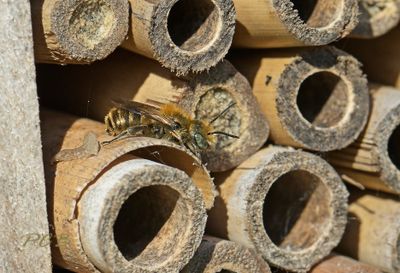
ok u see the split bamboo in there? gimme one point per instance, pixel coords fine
(378, 56)
(216, 255)
(341, 264)
(183, 35)
(122, 210)
(88, 91)
(373, 230)
(376, 18)
(374, 159)
(290, 206)
(315, 99)
(291, 23)
(72, 31)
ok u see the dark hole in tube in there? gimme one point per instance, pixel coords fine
(394, 147)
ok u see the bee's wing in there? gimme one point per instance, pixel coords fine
(144, 109)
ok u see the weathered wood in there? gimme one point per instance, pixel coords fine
(76, 31)
(288, 205)
(88, 91)
(374, 159)
(340, 264)
(376, 18)
(315, 99)
(217, 255)
(24, 236)
(290, 23)
(373, 229)
(86, 195)
(185, 35)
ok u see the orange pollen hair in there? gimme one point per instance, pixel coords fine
(173, 109)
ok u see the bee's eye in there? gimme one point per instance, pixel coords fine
(201, 141)
(176, 126)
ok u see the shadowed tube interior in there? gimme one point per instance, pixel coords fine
(394, 147)
(192, 24)
(296, 210)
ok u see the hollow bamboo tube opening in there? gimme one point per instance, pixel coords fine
(315, 99)
(291, 23)
(376, 18)
(374, 221)
(78, 31)
(220, 256)
(184, 35)
(340, 264)
(154, 221)
(88, 91)
(275, 184)
(69, 181)
(373, 160)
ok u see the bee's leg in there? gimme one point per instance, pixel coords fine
(131, 131)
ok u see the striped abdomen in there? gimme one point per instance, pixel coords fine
(118, 120)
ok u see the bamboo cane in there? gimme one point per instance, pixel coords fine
(72, 31)
(373, 160)
(315, 99)
(217, 255)
(376, 18)
(121, 210)
(88, 91)
(290, 206)
(290, 23)
(373, 229)
(185, 35)
(381, 66)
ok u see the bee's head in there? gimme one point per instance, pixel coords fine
(198, 132)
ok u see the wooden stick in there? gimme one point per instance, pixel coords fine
(373, 160)
(72, 31)
(373, 229)
(289, 23)
(290, 206)
(88, 91)
(184, 36)
(217, 255)
(24, 236)
(85, 198)
(376, 18)
(382, 66)
(340, 264)
(315, 99)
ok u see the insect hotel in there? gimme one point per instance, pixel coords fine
(200, 136)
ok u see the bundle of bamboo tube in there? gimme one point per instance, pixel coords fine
(148, 203)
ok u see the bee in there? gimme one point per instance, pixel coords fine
(170, 122)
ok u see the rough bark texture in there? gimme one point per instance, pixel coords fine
(341, 264)
(24, 232)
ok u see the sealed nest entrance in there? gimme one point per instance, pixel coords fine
(296, 210)
(394, 147)
(193, 24)
(318, 13)
(323, 99)
(91, 22)
(213, 103)
(149, 225)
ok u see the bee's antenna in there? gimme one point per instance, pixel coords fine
(222, 113)
(222, 133)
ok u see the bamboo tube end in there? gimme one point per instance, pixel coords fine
(341, 264)
(376, 18)
(186, 35)
(387, 149)
(325, 104)
(141, 216)
(279, 183)
(216, 255)
(84, 31)
(318, 22)
(214, 91)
